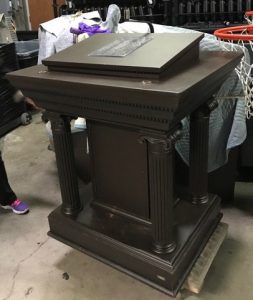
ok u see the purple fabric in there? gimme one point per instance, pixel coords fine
(90, 30)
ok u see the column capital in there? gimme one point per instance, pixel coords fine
(212, 104)
(205, 110)
(162, 144)
(59, 122)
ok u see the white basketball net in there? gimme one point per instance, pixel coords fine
(244, 69)
(249, 18)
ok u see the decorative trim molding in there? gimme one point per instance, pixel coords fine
(151, 113)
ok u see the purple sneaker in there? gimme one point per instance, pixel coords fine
(18, 207)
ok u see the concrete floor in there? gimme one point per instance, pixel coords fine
(32, 264)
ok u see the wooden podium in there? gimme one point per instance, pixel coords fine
(131, 216)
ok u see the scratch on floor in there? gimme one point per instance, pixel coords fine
(28, 291)
(17, 269)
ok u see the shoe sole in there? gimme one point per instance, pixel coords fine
(16, 211)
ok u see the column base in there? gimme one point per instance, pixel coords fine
(200, 200)
(68, 211)
(164, 249)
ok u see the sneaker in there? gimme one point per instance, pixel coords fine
(18, 207)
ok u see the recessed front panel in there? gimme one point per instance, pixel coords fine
(119, 169)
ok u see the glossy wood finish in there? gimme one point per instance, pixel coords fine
(130, 215)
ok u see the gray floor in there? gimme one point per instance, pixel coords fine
(32, 264)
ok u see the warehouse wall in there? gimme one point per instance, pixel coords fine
(41, 11)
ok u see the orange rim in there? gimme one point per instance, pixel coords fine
(233, 33)
(249, 13)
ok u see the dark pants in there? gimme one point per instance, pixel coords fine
(7, 196)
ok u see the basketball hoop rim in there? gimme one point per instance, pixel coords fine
(227, 34)
(249, 13)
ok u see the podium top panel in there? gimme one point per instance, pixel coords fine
(131, 55)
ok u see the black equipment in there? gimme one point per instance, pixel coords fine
(204, 15)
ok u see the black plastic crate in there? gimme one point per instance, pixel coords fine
(27, 35)
(203, 15)
(8, 58)
(27, 53)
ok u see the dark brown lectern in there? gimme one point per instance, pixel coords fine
(130, 216)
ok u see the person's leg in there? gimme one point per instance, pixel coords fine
(8, 199)
(7, 196)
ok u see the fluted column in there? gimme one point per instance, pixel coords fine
(63, 146)
(161, 173)
(199, 136)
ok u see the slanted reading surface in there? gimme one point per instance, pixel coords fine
(151, 57)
